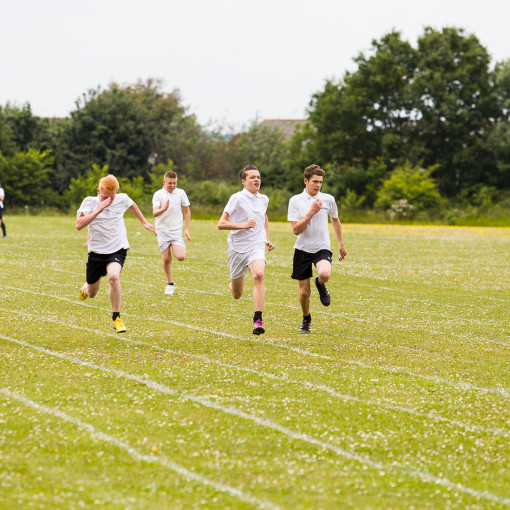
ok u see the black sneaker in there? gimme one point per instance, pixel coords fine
(323, 292)
(305, 326)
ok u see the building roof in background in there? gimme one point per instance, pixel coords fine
(286, 125)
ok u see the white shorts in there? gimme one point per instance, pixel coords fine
(239, 262)
(167, 238)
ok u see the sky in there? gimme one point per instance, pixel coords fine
(233, 61)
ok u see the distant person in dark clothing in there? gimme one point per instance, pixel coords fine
(2, 199)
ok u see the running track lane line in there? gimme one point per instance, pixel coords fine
(284, 378)
(394, 370)
(136, 454)
(181, 324)
(424, 476)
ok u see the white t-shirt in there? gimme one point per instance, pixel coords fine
(107, 231)
(2, 194)
(171, 219)
(316, 235)
(242, 206)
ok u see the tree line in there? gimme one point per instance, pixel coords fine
(414, 129)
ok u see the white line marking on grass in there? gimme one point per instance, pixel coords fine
(188, 326)
(361, 320)
(395, 370)
(344, 316)
(136, 454)
(424, 476)
(387, 406)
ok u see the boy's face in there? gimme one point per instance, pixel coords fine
(313, 185)
(170, 184)
(104, 194)
(252, 181)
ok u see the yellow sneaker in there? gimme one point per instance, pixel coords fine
(82, 294)
(118, 325)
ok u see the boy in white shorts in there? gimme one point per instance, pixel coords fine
(169, 204)
(108, 245)
(245, 216)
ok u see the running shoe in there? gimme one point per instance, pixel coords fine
(82, 294)
(118, 326)
(169, 290)
(305, 326)
(258, 327)
(323, 292)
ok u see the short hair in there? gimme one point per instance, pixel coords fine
(170, 175)
(247, 168)
(109, 183)
(312, 170)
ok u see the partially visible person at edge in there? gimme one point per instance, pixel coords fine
(169, 204)
(308, 212)
(245, 216)
(108, 245)
(2, 199)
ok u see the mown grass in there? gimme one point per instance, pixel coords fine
(398, 399)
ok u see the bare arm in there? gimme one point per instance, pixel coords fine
(156, 211)
(187, 219)
(300, 226)
(337, 227)
(226, 224)
(269, 244)
(138, 214)
(84, 220)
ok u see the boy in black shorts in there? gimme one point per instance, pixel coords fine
(108, 245)
(309, 213)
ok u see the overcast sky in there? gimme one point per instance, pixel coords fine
(232, 60)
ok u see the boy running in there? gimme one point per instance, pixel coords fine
(245, 216)
(309, 213)
(168, 206)
(108, 245)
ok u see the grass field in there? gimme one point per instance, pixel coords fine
(398, 399)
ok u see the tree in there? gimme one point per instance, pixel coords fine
(108, 128)
(499, 137)
(26, 177)
(431, 105)
(455, 104)
(352, 116)
(261, 146)
(123, 126)
(7, 145)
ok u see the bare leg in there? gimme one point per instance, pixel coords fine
(259, 290)
(236, 287)
(91, 289)
(114, 269)
(324, 271)
(304, 295)
(167, 264)
(179, 252)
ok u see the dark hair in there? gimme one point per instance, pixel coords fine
(312, 170)
(247, 168)
(170, 175)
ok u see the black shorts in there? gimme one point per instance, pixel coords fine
(97, 262)
(302, 264)
(1, 212)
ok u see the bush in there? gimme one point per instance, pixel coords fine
(412, 184)
(25, 178)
